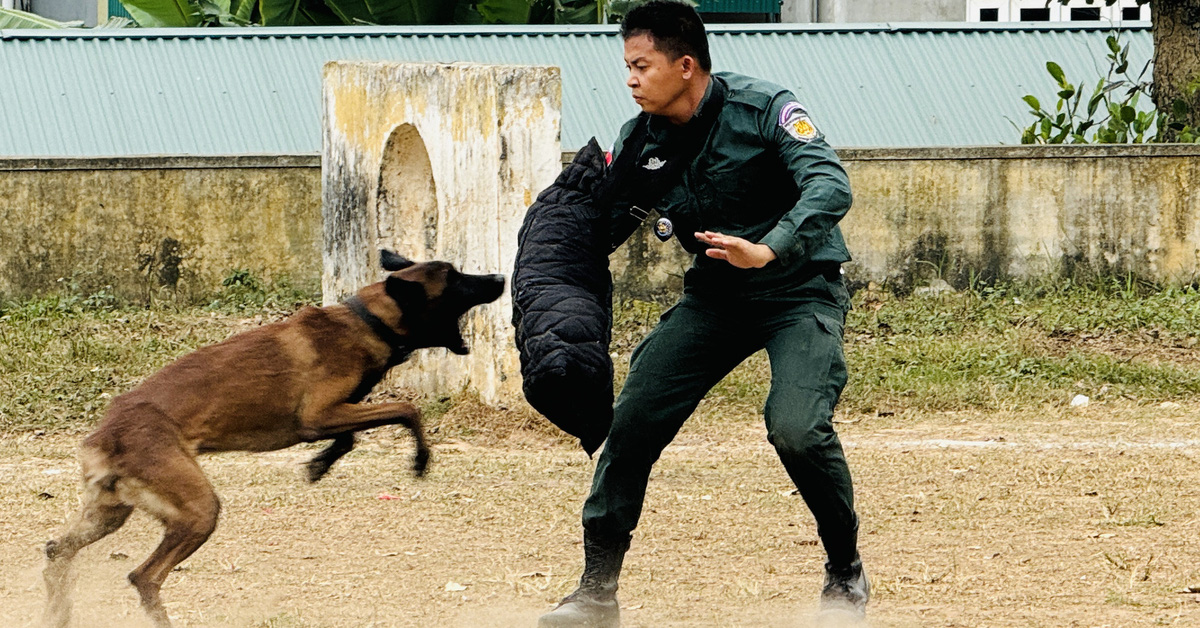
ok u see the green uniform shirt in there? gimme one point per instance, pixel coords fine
(765, 175)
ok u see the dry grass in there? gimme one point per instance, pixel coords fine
(1061, 518)
(985, 500)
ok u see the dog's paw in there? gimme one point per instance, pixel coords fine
(420, 462)
(315, 469)
(52, 549)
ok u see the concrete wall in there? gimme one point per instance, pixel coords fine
(176, 226)
(437, 161)
(953, 213)
(851, 11)
(995, 213)
(67, 10)
(164, 226)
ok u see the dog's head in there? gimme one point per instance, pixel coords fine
(433, 296)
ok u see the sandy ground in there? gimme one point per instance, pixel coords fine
(1063, 517)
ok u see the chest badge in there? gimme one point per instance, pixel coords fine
(654, 163)
(663, 229)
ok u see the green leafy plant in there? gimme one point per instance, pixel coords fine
(183, 13)
(1110, 115)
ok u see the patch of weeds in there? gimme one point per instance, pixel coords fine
(433, 411)
(1116, 598)
(1149, 521)
(243, 291)
(282, 620)
(1020, 345)
(61, 361)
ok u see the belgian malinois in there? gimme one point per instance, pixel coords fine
(296, 381)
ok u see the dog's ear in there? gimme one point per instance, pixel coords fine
(392, 261)
(409, 295)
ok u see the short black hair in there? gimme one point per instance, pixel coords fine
(674, 26)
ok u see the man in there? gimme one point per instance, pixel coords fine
(757, 195)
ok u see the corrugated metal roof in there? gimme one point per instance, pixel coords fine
(257, 90)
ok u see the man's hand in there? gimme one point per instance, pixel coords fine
(737, 251)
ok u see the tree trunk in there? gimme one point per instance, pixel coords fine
(1176, 27)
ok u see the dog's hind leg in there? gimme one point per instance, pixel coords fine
(320, 464)
(94, 522)
(102, 514)
(175, 491)
(347, 418)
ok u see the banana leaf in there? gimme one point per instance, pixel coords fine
(393, 11)
(117, 22)
(298, 13)
(504, 11)
(243, 11)
(576, 12)
(164, 13)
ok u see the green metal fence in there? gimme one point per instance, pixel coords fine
(116, 9)
(738, 6)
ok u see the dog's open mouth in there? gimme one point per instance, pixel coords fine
(473, 291)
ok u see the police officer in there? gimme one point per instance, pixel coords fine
(759, 204)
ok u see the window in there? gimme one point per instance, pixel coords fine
(1131, 13)
(1035, 15)
(1085, 14)
(989, 15)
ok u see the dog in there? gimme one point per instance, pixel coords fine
(295, 381)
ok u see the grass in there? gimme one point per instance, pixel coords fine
(1076, 520)
(63, 356)
(1009, 348)
(1012, 347)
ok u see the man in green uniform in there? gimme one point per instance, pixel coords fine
(759, 204)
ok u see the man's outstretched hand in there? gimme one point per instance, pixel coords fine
(737, 251)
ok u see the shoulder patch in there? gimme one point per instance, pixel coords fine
(794, 119)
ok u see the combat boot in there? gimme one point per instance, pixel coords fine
(846, 591)
(594, 603)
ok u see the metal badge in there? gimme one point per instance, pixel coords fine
(663, 229)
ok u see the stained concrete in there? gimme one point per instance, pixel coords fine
(437, 161)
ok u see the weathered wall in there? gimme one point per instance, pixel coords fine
(437, 161)
(843, 11)
(852, 11)
(992, 212)
(996, 213)
(165, 226)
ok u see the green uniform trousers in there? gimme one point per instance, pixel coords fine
(695, 344)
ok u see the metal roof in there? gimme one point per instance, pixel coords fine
(80, 93)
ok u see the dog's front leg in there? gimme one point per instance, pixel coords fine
(346, 418)
(320, 464)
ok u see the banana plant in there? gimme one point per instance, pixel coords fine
(176, 13)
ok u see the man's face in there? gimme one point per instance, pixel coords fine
(657, 81)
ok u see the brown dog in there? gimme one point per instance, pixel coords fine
(269, 388)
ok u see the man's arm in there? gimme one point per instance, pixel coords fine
(621, 223)
(824, 187)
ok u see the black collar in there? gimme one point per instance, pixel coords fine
(385, 333)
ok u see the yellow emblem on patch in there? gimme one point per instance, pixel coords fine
(803, 129)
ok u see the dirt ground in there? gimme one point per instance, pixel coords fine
(1062, 517)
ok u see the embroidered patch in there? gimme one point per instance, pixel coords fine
(794, 119)
(654, 163)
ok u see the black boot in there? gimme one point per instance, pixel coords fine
(594, 603)
(846, 590)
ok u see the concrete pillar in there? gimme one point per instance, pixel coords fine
(437, 161)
